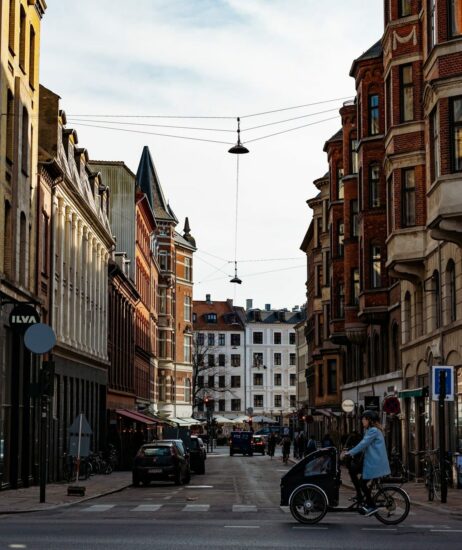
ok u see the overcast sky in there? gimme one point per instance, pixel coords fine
(220, 58)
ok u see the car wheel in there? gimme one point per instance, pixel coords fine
(201, 470)
(145, 482)
(178, 478)
(187, 479)
(136, 480)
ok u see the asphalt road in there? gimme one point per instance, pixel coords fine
(235, 504)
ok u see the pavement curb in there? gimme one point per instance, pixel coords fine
(65, 504)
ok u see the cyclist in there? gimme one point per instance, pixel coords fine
(375, 463)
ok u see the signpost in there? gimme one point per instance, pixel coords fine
(448, 384)
(443, 390)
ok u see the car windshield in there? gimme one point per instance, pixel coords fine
(156, 451)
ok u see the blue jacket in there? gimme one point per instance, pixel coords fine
(375, 454)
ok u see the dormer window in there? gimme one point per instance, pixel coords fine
(211, 317)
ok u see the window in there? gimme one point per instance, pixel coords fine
(22, 39)
(222, 339)
(376, 263)
(374, 185)
(221, 405)
(221, 381)
(187, 269)
(405, 8)
(340, 184)
(277, 379)
(318, 231)
(161, 388)
(293, 401)
(340, 300)
(277, 338)
(200, 338)
(355, 287)
(435, 138)
(353, 156)
(408, 197)
(390, 205)
(456, 133)
(235, 404)
(341, 239)
(320, 380)
(258, 379)
(235, 339)
(432, 24)
(32, 57)
(257, 359)
(9, 127)
(374, 126)
(187, 390)
(406, 325)
(163, 260)
(187, 348)
(354, 217)
(456, 17)
(292, 359)
(292, 379)
(437, 299)
(12, 25)
(235, 360)
(277, 359)
(22, 249)
(278, 400)
(291, 338)
(221, 360)
(210, 360)
(188, 308)
(7, 244)
(406, 93)
(258, 400)
(331, 376)
(389, 103)
(211, 317)
(25, 142)
(200, 382)
(44, 243)
(258, 337)
(211, 381)
(451, 290)
(235, 381)
(317, 280)
(211, 339)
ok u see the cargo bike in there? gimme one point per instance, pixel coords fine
(311, 489)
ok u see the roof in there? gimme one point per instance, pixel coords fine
(273, 316)
(373, 52)
(148, 181)
(179, 239)
(228, 318)
(113, 163)
(338, 136)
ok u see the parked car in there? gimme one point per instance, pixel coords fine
(259, 444)
(180, 444)
(160, 460)
(197, 455)
(241, 442)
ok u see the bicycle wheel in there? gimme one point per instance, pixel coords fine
(393, 505)
(308, 505)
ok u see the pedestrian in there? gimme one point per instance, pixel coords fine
(301, 445)
(375, 463)
(327, 441)
(286, 443)
(296, 444)
(271, 444)
(311, 445)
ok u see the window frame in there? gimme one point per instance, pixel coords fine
(354, 217)
(277, 336)
(455, 127)
(257, 379)
(406, 193)
(451, 15)
(401, 10)
(340, 239)
(373, 115)
(354, 160)
(355, 286)
(277, 382)
(403, 87)
(255, 338)
(340, 184)
(374, 186)
(376, 259)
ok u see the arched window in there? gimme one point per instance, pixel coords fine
(407, 318)
(451, 291)
(395, 347)
(436, 298)
(187, 390)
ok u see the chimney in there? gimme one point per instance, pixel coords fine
(296, 308)
(208, 298)
(249, 303)
(268, 307)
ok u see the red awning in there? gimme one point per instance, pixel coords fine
(136, 416)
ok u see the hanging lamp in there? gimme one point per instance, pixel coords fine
(236, 279)
(238, 149)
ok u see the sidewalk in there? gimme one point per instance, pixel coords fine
(16, 501)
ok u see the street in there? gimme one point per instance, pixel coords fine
(235, 504)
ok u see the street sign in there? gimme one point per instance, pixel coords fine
(372, 402)
(449, 370)
(79, 437)
(348, 405)
(39, 338)
(23, 316)
(391, 405)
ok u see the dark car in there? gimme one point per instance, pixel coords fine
(161, 461)
(259, 444)
(241, 442)
(197, 455)
(180, 444)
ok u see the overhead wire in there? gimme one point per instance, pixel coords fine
(260, 273)
(75, 119)
(297, 107)
(290, 130)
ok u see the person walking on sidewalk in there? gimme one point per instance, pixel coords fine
(286, 449)
(375, 463)
(311, 445)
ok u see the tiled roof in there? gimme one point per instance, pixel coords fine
(373, 52)
(228, 319)
(273, 316)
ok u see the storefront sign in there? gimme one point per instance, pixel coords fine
(348, 405)
(23, 316)
(372, 403)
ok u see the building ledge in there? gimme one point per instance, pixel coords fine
(406, 249)
(373, 380)
(445, 209)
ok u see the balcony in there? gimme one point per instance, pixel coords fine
(406, 249)
(445, 209)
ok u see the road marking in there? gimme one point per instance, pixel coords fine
(199, 487)
(17, 546)
(196, 508)
(310, 528)
(379, 529)
(244, 508)
(167, 498)
(446, 530)
(241, 526)
(98, 508)
(147, 508)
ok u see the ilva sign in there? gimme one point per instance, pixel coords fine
(22, 316)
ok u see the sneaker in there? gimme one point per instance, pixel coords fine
(369, 510)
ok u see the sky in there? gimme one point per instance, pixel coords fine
(223, 59)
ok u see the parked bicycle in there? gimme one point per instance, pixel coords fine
(70, 468)
(399, 472)
(432, 473)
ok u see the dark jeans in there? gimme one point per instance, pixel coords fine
(362, 487)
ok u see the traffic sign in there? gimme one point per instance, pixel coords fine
(348, 405)
(449, 370)
(39, 338)
(23, 316)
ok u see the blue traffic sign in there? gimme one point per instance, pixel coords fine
(449, 370)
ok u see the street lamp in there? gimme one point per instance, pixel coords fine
(238, 149)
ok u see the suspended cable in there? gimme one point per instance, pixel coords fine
(269, 260)
(217, 268)
(152, 133)
(212, 255)
(289, 119)
(237, 208)
(261, 272)
(297, 107)
(292, 129)
(213, 273)
(73, 120)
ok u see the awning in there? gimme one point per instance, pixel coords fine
(136, 416)
(185, 421)
(222, 420)
(325, 412)
(416, 392)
